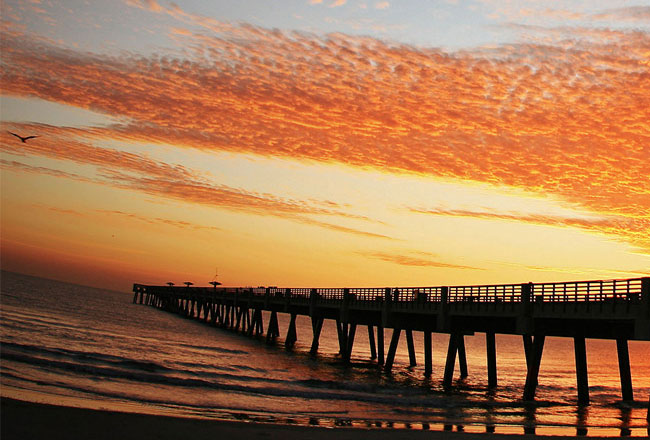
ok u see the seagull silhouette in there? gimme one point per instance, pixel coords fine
(24, 139)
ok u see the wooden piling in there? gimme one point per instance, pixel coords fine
(316, 326)
(411, 347)
(380, 345)
(450, 363)
(490, 348)
(535, 359)
(428, 355)
(292, 337)
(342, 332)
(371, 341)
(350, 341)
(624, 369)
(259, 324)
(581, 369)
(528, 349)
(273, 330)
(392, 349)
(462, 356)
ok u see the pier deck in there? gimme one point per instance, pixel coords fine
(611, 309)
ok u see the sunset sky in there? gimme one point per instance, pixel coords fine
(325, 143)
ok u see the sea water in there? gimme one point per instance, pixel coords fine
(79, 346)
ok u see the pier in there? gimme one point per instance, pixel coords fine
(603, 309)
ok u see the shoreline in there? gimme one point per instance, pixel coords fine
(28, 420)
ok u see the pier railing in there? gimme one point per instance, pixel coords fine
(630, 289)
(589, 291)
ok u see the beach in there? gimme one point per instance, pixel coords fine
(27, 420)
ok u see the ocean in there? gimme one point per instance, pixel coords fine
(79, 346)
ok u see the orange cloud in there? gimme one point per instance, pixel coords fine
(569, 118)
(408, 260)
(631, 229)
(184, 188)
(132, 216)
(158, 220)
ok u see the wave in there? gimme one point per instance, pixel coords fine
(394, 397)
(214, 349)
(76, 355)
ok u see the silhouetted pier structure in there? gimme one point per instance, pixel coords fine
(612, 309)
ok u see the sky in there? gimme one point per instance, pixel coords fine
(332, 143)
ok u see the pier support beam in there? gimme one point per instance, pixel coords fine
(450, 363)
(411, 348)
(273, 330)
(490, 348)
(316, 326)
(581, 369)
(528, 349)
(371, 341)
(350, 342)
(258, 324)
(380, 345)
(428, 355)
(392, 349)
(342, 332)
(292, 336)
(240, 315)
(462, 356)
(624, 369)
(534, 357)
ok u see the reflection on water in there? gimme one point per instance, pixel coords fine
(625, 417)
(581, 420)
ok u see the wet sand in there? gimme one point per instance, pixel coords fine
(27, 420)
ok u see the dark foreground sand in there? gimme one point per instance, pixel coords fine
(26, 420)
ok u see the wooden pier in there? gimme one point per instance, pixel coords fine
(612, 309)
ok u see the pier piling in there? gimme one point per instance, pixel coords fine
(581, 369)
(411, 348)
(392, 349)
(428, 355)
(292, 336)
(535, 359)
(490, 348)
(624, 369)
(380, 345)
(316, 326)
(450, 363)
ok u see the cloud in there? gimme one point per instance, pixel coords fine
(382, 5)
(158, 220)
(132, 216)
(19, 166)
(337, 3)
(566, 117)
(635, 230)
(186, 189)
(409, 260)
(631, 13)
(581, 271)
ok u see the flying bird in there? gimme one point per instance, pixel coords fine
(24, 139)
